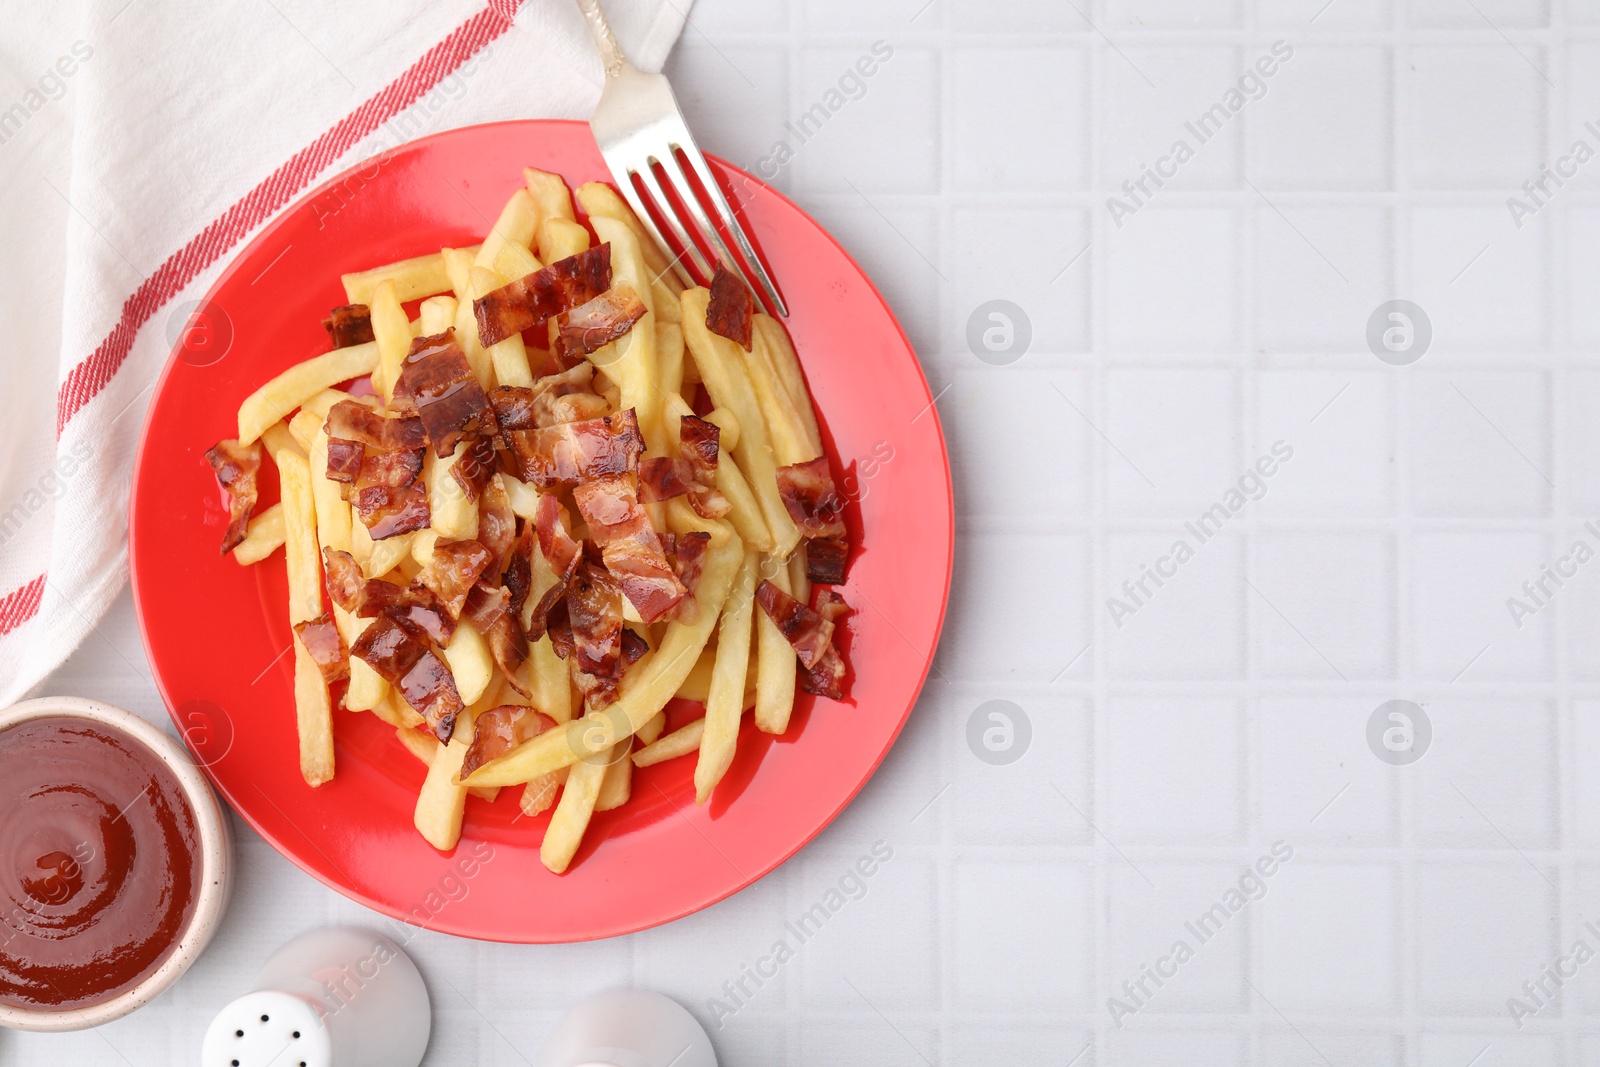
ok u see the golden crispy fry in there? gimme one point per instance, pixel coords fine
(725, 703)
(510, 356)
(303, 557)
(617, 786)
(550, 192)
(572, 814)
(680, 742)
(441, 803)
(449, 511)
(438, 315)
(560, 238)
(722, 368)
(515, 226)
(775, 658)
(630, 360)
(391, 332)
(470, 661)
(313, 718)
(413, 279)
(745, 513)
(722, 418)
(297, 385)
(786, 416)
(774, 341)
(650, 732)
(601, 201)
(263, 538)
(645, 690)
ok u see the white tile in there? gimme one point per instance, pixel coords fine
(1173, 280)
(1442, 14)
(1024, 16)
(879, 133)
(998, 145)
(1489, 778)
(1494, 1043)
(1039, 259)
(1020, 929)
(1173, 771)
(1022, 482)
(1480, 443)
(1573, 583)
(1578, 996)
(714, 20)
(1482, 930)
(880, 934)
(1045, 797)
(1325, 605)
(827, 16)
(1002, 602)
(1585, 751)
(979, 1045)
(826, 1042)
(1312, 1044)
(1329, 938)
(1129, 1048)
(1340, 430)
(1319, 783)
(1151, 120)
(1582, 225)
(1319, 272)
(1173, 440)
(1342, 15)
(704, 959)
(1480, 281)
(1460, 622)
(1171, 14)
(1474, 115)
(1169, 951)
(1193, 626)
(1324, 121)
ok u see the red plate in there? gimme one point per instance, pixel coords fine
(216, 632)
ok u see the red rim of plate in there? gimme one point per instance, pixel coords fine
(177, 505)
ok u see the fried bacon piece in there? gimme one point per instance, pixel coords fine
(561, 286)
(417, 605)
(689, 557)
(811, 499)
(594, 610)
(517, 576)
(499, 730)
(593, 325)
(809, 633)
(488, 609)
(348, 324)
(555, 540)
(403, 658)
(698, 444)
(475, 467)
(731, 309)
(344, 460)
(572, 452)
(565, 397)
(236, 467)
(351, 420)
(497, 526)
(825, 560)
(345, 580)
(322, 641)
(631, 548)
(385, 509)
(437, 379)
(661, 478)
(380, 461)
(827, 677)
(452, 571)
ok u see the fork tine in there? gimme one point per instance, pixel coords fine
(720, 201)
(623, 172)
(692, 253)
(686, 194)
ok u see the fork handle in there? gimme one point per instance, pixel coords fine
(611, 53)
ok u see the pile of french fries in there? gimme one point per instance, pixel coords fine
(727, 655)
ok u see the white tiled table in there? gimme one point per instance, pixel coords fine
(1229, 710)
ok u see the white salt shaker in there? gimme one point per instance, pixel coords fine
(628, 1028)
(337, 997)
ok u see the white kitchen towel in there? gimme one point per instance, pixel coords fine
(141, 143)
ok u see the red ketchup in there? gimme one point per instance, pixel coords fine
(99, 863)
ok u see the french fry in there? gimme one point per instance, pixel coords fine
(650, 732)
(421, 745)
(442, 802)
(745, 513)
(697, 683)
(470, 661)
(617, 785)
(277, 438)
(560, 238)
(438, 315)
(313, 710)
(572, 814)
(722, 418)
(393, 710)
(295, 386)
(515, 226)
(773, 340)
(524, 497)
(413, 279)
(630, 360)
(599, 200)
(680, 742)
(725, 703)
(722, 369)
(669, 358)
(775, 661)
(303, 427)
(552, 685)
(367, 688)
(422, 545)
(799, 584)
(391, 332)
(302, 557)
(263, 538)
(645, 690)
(786, 423)
(333, 514)
(386, 554)
(509, 356)
(549, 192)
(450, 512)
(540, 794)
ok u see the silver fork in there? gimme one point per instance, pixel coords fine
(639, 129)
